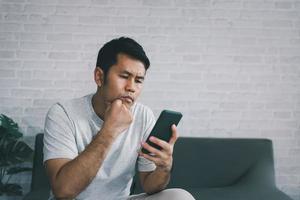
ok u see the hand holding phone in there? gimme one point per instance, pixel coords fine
(162, 128)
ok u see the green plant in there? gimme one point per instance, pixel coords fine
(13, 153)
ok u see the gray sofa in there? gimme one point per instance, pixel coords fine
(209, 168)
(224, 169)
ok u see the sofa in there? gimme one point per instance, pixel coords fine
(209, 168)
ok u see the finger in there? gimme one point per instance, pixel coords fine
(116, 103)
(174, 135)
(163, 144)
(152, 150)
(149, 157)
(126, 106)
(120, 102)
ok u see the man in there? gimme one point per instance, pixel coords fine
(91, 144)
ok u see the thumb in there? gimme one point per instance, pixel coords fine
(114, 103)
(174, 135)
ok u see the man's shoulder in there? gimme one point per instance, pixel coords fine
(71, 106)
(78, 101)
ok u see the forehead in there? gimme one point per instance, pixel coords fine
(127, 64)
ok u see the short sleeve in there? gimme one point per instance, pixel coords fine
(59, 139)
(145, 165)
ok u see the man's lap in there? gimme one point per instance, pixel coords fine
(174, 194)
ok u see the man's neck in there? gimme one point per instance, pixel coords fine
(98, 105)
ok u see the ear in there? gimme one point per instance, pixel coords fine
(99, 76)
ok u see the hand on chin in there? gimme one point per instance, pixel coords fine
(125, 102)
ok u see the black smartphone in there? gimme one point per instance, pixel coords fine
(162, 128)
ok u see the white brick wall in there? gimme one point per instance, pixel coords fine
(231, 66)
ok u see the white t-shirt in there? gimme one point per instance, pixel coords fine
(70, 126)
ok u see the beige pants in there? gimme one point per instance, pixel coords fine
(168, 194)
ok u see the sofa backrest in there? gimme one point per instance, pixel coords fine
(220, 162)
(39, 179)
(200, 163)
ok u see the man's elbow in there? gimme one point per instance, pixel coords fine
(152, 190)
(63, 193)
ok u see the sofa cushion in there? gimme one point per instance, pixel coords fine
(238, 193)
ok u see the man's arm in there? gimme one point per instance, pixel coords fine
(154, 181)
(158, 179)
(69, 177)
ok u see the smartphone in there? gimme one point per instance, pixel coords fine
(162, 128)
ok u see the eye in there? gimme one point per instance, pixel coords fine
(139, 81)
(123, 76)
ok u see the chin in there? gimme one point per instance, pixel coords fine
(128, 105)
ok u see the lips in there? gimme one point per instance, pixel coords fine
(127, 98)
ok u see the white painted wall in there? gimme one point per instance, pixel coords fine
(231, 66)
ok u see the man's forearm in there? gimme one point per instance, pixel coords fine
(156, 181)
(74, 176)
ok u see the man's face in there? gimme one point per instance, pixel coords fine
(124, 80)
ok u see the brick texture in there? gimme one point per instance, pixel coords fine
(231, 66)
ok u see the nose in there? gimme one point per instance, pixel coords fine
(130, 85)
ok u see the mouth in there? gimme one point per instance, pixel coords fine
(127, 99)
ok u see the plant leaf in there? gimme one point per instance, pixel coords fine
(12, 189)
(14, 152)
(9, 127)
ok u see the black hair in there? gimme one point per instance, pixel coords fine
(107, 55)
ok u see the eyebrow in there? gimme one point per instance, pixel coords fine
(130, 74)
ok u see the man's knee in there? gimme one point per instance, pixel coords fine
(178, 194)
